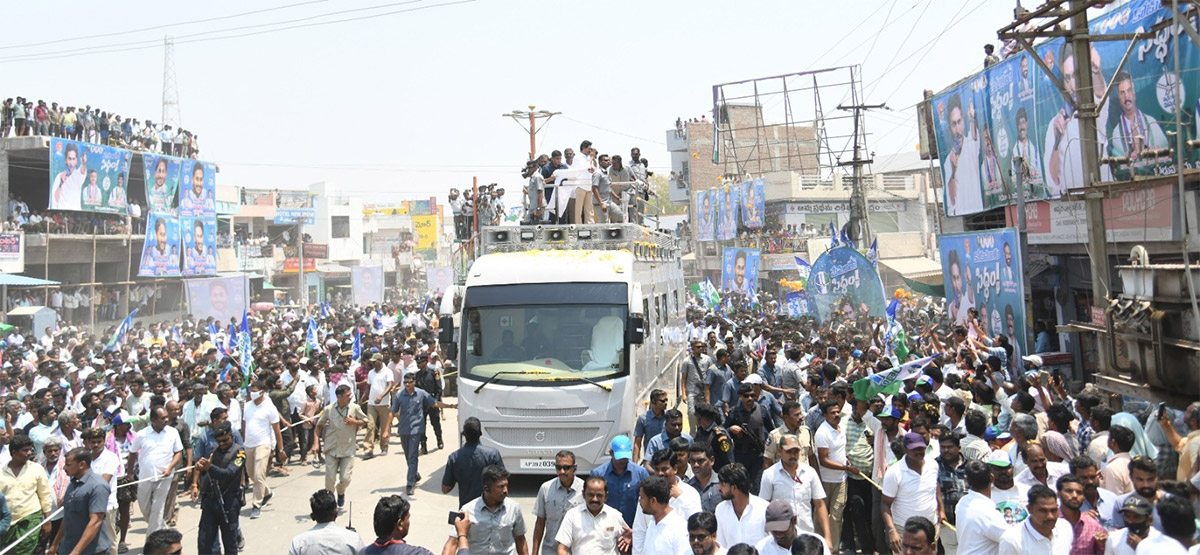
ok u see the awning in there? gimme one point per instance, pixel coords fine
(919, 273)
(329, 268)
(15, 280)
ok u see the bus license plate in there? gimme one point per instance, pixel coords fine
(537, 464)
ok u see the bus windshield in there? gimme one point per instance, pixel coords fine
(545, 344)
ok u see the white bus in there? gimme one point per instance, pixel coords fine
(564, 331)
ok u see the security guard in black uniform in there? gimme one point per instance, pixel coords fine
(707, 429)
(431, 381)
(221, 493)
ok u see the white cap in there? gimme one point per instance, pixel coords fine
(753, 379)
(1035, 360)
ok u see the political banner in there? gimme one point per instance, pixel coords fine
(162, 180)
(753, 194)
(728, 200)
(1012, 117)
(88, 178)
(223, 299)
(367, 283)
(199, 246)
(160, 255)
(843, 280)
(739, 271)
(426, 230)
(439, 278)
(706, 210)
(197, 189)
(983, 273)
(797, 304)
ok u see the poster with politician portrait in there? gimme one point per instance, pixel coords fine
(739, 271)
(367, 283)
(88, 178)
(160, 255)
(218, 298)
(706, 211)
(728, 198)
(753, 198)
(197, 189)
(984, 287)
(199, 246)
(162, 178)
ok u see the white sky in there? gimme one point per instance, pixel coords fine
(408, 105)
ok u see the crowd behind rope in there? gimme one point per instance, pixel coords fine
(772, 448)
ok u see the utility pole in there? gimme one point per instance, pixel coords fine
(860, 223)
(519, 115)
(300, 255)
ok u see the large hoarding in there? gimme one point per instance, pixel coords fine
(160, 256)
(983, 271)
(1013, 111)
(739, 271)
(728, 203)
(162, 182)
(197, 190)
(223, 299)
(843, 280)
(753, 196)
(199, 246)
(706, 207)
(367, 283)
(88, 178)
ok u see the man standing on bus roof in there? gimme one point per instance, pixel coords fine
(650, 423)
(409, 408)
(623, 477)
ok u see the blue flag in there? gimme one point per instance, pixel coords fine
(804, 269)
(846, 240)
(176, 335)
(324, 310)
(357, 344)
(891, 308)
(312, 335)
(833, 235)
(873, 252)
(244, 344)
(123, 329)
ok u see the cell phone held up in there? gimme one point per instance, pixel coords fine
(454, 517)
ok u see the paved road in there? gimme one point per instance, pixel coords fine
(288, 512)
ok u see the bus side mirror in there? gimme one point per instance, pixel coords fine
(636, 330)
(446, 330)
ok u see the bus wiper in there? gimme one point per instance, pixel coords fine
(580, 378)
(518, 372)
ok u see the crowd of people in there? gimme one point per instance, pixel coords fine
(781, 442)
(23, 117)
(21, 218)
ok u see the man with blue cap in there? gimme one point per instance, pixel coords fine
(622, 477)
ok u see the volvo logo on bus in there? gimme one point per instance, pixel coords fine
(540, 436)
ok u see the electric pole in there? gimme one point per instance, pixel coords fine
(860, 223)
(518, 116)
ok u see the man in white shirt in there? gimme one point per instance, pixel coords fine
(156, 451)
(668, 533)
(980, 525)
(1008, 497)
(1139, 516)
(1043, 531)
(1040, 471)
(592, 528)
(685, 500)
(782, 526)
(260, 430)
(830, 442)
(910, 488)
(382, 382)
(963, 192)
(107, 465)
(799, 486)
(1178, 528)
(741, 517)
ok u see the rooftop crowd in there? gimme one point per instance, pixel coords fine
(24, 117)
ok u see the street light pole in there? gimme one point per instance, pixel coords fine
(518, 115)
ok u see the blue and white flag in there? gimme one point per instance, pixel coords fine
(891, 309)
(833, 235)
(846, 240)
(312, 335)
(357, 344)
(804, 269)
(123, 329)
(176, 335)
(247, 360)
(873, 252)
(324, 310)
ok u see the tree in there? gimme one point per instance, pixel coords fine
(661, 186)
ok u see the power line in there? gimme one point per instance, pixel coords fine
(613, 131)
(902, 43)
(163, 26)
(267, 31)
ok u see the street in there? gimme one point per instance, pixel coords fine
(287, 514)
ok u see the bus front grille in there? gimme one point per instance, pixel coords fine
(541, 437)
(557, 412)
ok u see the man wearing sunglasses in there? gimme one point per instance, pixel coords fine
(554, 499)
(650, 424)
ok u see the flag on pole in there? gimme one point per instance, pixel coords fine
(889, 382)
(846, 240)
(833, 234)
(123, 329)
(357, 344)
(891, 308)
(176, 335)
(247, 360)
(873, 252)
(324, 310)
(804, 269)
(312, 342)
